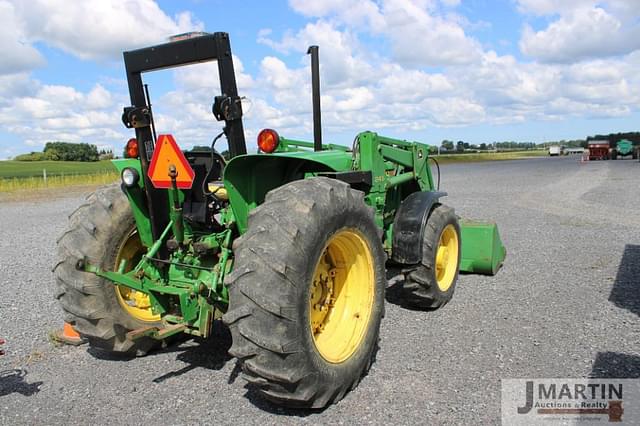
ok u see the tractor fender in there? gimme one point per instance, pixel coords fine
(248, 178)
(408, 226)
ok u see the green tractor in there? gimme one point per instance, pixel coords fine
(288, 246)
(624, 148)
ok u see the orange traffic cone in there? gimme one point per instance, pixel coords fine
(69, 336)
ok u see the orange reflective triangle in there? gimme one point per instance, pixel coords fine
(166, 153)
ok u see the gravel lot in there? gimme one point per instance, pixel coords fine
(566, 304)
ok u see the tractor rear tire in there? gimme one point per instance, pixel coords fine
(306, 296)
(97, 231)
(432, 284)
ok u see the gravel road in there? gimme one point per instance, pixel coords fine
(566, 304)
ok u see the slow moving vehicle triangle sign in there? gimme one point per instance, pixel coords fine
(165, 154)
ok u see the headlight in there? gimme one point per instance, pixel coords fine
(130, 177)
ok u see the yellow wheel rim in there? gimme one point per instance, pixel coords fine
(135, 303)
(447, 257)
(341, 296)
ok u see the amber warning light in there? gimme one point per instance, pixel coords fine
(268, 140)
(131, 149)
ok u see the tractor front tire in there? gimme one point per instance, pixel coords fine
(432, 283)
(98, 231)
(306, 296)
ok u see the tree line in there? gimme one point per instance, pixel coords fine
(66, 151)
(613, 138)
(461, 146)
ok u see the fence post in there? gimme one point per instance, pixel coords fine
(44, 176)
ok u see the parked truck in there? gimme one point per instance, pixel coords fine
(598, 150)
(555, 150)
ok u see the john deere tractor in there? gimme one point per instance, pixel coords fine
(288, 246)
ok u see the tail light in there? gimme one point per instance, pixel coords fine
(268, 140)
(131, 150)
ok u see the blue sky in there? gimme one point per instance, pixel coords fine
(477, 70)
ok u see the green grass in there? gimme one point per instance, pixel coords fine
(488, 156)
(27, 175)
(59, 181)
(23, 169)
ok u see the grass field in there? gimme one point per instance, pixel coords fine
(26, 175)
(23, 169)
(489, 156)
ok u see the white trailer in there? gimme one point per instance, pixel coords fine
(554, 150)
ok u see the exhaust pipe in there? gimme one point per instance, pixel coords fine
(315, 92)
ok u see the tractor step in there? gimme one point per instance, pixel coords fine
(157, 333)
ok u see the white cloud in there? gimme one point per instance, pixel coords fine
(419, 33)
(580, 34)
(96, 29)
(494, 89)
(550, 7)
(14, 86)
(356, 12)
(279, 76)
(56, 112)
(420, 38)
(17, 53)
(90, 30)
(203, 77)
(400, 85)
(355, 99)
(598, 82)
(339, 53)
(362, 89)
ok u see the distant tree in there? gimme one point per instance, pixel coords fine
(483, 146)
(66, 151)
(460, 146)
(32, 156)
(447, 144)
(576, 143)
(106, 155)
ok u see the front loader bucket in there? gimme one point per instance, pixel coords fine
(482, 249)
